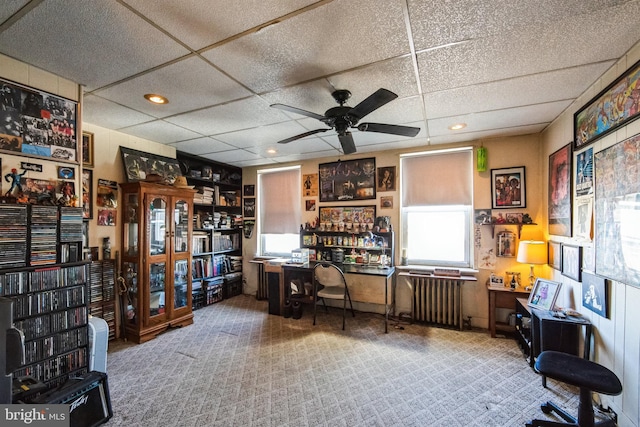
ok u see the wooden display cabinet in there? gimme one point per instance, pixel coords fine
(156, 258)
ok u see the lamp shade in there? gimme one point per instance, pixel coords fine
(532, 252)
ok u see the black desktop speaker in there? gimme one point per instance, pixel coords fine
(87, 397)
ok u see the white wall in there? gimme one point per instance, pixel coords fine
(617, 339)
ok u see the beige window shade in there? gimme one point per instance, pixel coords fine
(280, 201)
(437, 179)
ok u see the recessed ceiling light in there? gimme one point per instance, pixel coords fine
(271, 151)
(156, 99)
(458, 126)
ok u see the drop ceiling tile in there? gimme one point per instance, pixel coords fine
(110, 115)
(75, 47)
(438, 23)
(500, 119)
(202, 145)
(493, 133)
(232, 156)
(307, 146)
(243, 114)
(262, 136)
(595, 37)
(554, 85)
(257, 162)
(308, 46)
(397, 112)
(191, 20)
(161, 131)
(188, 84)
(9, 7)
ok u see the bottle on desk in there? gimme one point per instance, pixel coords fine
(514, 284)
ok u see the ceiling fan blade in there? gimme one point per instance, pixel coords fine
(392, 129)
(346, 140)
(298, 111)
(372, 103)
(302, 135)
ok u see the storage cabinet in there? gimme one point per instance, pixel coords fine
(156, 261)
(49, 297)
(217, 224)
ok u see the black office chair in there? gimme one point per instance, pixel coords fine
(583, 373)
(334, 286)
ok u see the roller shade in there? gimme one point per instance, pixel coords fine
(280, 201)
(437, 179)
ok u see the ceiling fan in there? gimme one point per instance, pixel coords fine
(344, 117)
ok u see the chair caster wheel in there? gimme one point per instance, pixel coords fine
(528, 425)
(546, 408)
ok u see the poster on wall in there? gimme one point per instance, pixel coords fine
(617, 211)
(107, 202)
(37, 123)
(584, 172)
(560, 192)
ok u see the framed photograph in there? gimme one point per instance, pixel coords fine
(310, 205)
(544, 294)
(615, 207)
(87, 194)
(594, 293)
(66, 172)
(347, 180)
(508, 188)
(555, 255)
(249, 191)
(506, 244)
(309, 184)
(572, 262)
(87, 149)
(249, 207)
(584, 173)
(560, 192)
(615, 106)
(496, 281)
(386, 202)
(138, 165)
(387, 178)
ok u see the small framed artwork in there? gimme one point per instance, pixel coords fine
(87, 199)
(544, 294)
(594, 293)
(555, 255)
(386, 202)
(508, 188)
(249, 191)
(506, 244)
(310, 205)
(249, 207)
(87, 149)
(309, 184)
(572, 262)
(496, 281)
(387, 178)
(559, 202)
(66, 172)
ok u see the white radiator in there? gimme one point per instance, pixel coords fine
(437, 300)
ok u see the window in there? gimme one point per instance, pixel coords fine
(436, 209)
(279, 210)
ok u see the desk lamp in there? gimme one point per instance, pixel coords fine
(532, 252)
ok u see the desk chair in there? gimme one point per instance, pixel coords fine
(585, 374)
(334, 286)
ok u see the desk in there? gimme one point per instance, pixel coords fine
(501, 297)
(388, 273)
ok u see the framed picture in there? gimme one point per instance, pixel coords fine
(544, 294)
(386, 202)
(138, 164)
(387, 178)
(572, 262)
(310, 205)
(615, 207)
(584, 173)
(66, 172)
(87, 194)
(496, 281)
(615, 106)
(347, 180)
(560, 192)
(87, 149)
(249, 190)
(508, 188)
(555, 255)
(506, 244)
(249, 207)
(309, 184)
(353, 219)
(594, 293)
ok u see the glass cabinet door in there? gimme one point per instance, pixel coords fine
(157, 288)
(131, 226)
(181, 220)
(180, 283)
(157, 226)
(130, 273)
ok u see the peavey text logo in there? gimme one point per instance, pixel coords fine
(39, 414)
(80, 401)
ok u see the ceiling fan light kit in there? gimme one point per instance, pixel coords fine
(343, 118)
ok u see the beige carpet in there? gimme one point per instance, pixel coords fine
(239, 366)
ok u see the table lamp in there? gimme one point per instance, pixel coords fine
(532, 252)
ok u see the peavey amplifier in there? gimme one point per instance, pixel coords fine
(87, 397)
